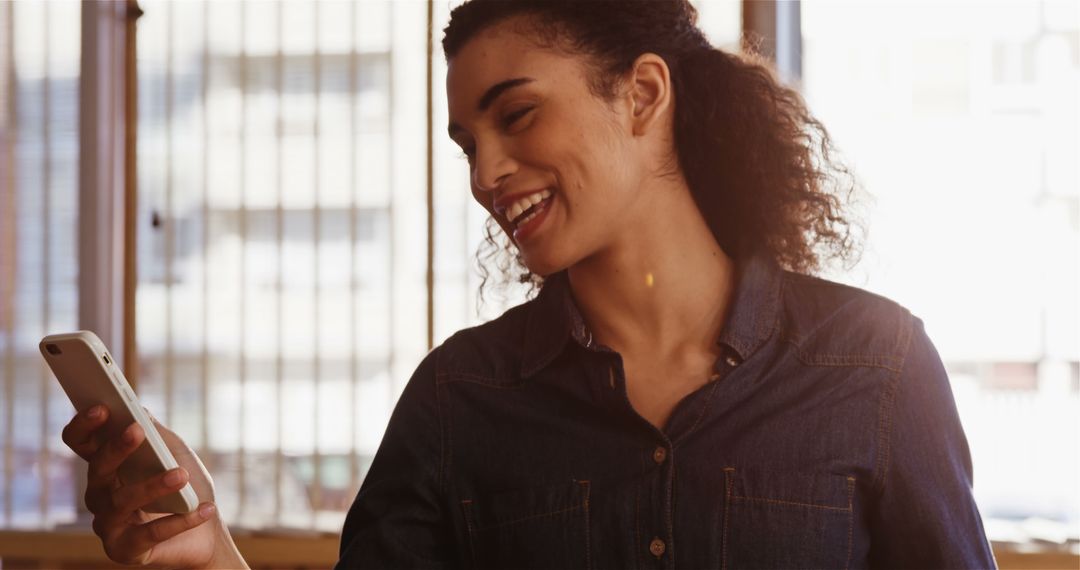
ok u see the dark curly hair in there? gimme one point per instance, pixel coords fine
(759, 165)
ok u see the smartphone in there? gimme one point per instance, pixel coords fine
(90, 376)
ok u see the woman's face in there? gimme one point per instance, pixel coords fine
(532, 130)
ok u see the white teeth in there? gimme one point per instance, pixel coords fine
(526, 220)
(525, 203)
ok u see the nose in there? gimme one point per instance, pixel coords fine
(491, 167)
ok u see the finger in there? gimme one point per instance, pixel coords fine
(202, 483)
(104, 463)
(129, 498)
(79, 434)
(143, 537)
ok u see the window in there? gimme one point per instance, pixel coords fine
(961, 121)
(279, 232)
(282, 211)
(39, 79)
(281, 276)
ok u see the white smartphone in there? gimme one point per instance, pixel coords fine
(90, 376)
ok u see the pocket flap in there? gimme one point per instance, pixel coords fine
(794, 488)
(519, 505)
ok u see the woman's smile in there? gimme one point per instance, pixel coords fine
(532, 219)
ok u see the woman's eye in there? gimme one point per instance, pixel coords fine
(512, 118)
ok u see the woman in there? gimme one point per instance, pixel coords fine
(681, 393)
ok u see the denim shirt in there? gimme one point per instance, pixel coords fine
(827, 437)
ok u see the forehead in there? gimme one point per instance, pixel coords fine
(498, 53)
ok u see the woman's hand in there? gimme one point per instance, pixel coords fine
(131, 535)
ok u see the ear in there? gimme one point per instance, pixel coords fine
(650, 92)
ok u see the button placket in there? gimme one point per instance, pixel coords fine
(659, 455)
(657, 547)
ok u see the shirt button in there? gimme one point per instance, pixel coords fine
(659, 455)
(657, 547)
(732, 360)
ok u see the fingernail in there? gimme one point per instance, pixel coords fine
(95, 412)
(206, 511)
(173, 477)
(129, 435)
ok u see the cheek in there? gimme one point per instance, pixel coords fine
(593, 149)
(482, 198)
(562, 147)
(592, 169)
(583, 149)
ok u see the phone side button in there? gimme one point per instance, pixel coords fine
(128, 394)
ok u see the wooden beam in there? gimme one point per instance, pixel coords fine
(83, 550)
(774, 28)
(131, 115)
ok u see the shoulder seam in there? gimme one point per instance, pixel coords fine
(887, 405)
(893, 360)
(441, 419)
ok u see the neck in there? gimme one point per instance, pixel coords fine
(662, 288)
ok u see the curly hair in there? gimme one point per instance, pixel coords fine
(760, 167)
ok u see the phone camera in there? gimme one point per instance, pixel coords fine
(52, 349)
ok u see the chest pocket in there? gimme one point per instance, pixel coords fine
(543, 527)
(776, 519)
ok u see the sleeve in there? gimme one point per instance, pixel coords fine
(398, 519)
(925, 514)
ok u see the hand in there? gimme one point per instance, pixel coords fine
(129, 534)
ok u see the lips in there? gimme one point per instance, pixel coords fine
(531, 223)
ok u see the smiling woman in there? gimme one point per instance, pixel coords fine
(681, 378)
(682, 388)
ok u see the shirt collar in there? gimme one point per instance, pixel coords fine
(755, 310)
(554, 318)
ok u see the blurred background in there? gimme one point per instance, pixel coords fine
(255, 205)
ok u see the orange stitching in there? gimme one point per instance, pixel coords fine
(531, 517)
(886, 406)
(466, 507)
(793, 503)
(851, 521)
(701, 414)
(448, 451)
(637, 522)
(727, 510)
(670, 506)
(588, 547)
(885, 362)
(481, 380)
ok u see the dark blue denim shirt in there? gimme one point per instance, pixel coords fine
(828, 437)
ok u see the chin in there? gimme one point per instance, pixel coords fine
(543, 265)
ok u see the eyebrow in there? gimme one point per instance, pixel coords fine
(490, 96)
